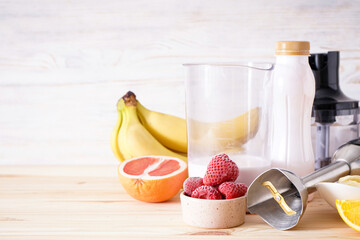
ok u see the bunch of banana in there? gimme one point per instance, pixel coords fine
(141, 132)
(226, 135)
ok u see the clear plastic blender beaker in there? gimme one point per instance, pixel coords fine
(226, 109)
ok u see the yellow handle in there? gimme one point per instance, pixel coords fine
(278, 198)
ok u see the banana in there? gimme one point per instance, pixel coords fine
(169, 130)
(134, 139)
(241, 128)
(114, 134)
(226, 134)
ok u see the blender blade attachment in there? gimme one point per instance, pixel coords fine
(279, 197)
(291, 191)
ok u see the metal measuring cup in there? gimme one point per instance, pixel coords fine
(280, 197)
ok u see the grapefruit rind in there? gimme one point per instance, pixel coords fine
(147, 188)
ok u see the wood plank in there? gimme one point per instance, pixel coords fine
(88, 202)
(64, 64)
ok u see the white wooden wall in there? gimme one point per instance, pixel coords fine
(65, 63)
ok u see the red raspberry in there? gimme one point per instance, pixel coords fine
(192, 183)
(206, 192)
(220, 169)
(232, 189)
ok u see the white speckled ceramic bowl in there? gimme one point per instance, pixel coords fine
(332, 191)
(205, 213)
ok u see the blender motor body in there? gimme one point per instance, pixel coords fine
(335, 117)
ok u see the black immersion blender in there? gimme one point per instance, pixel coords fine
(336, 115)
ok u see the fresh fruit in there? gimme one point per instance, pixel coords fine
(115, 133)
(191, 183)
(226, 134)
(349, 211)
(221, 169)
(352, 180)
(232, 189)
(169, 130)
(206, 192)
(133, 138)
(219, 179)
(152, 178)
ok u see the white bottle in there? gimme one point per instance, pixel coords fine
(293, 91)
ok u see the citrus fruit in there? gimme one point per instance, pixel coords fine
(152, 178)
(352, 180)
(349, 211)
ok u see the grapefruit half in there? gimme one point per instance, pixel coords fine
(152, 178)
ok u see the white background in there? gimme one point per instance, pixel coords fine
(64, 64)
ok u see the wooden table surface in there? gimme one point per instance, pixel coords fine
(88, 202)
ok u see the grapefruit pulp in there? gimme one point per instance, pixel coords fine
(152, 178)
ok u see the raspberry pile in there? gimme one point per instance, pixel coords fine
(218, 182)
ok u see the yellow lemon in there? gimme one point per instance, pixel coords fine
(349, 211)
(352, 180)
